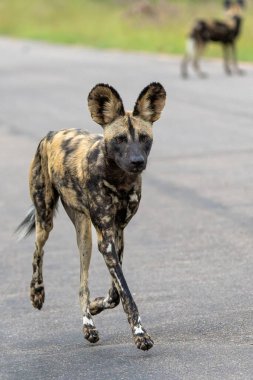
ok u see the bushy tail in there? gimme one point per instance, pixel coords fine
(27, 226)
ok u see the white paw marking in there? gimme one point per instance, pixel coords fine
(87, 321)
(138, 330)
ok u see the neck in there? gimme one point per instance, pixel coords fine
(238, 22)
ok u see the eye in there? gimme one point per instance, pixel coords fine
(120, 139)
(144, 138)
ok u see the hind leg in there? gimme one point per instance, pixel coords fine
(45, 199)
(37, 291)
(113, 298)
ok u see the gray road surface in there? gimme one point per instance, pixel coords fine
(188, 257)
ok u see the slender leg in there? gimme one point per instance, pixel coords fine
(106, 245)
(82, 225)
(234, 60)
(45, 199)
(37, 291)
(112, 299)
(196, 58)
(83, 230)
(191, 45)
(184, 66)
(226, 59)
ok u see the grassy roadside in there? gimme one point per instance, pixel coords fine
(158, 26)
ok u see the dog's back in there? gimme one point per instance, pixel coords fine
(60, 163)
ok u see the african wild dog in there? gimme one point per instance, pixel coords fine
(98, 179)
(222, 32)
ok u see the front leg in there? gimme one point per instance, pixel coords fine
(235, 62)
(196, 60)
(112, 299)
(226, 59)
(83, 231)
(106, 245)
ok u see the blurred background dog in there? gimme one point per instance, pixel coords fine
(224, 32)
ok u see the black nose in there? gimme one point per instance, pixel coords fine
(137, 161)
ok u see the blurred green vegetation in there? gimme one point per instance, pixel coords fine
(144, 25)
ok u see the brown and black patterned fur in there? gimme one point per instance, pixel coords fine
(98, 179)
(225, 33)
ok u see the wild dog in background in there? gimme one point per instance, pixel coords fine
(98, 179)
(222, 32)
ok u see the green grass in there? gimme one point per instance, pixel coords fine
(117, 23)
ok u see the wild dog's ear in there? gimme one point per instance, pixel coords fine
(105, 104)
(241, 3)
(150, 102)
(227, 4)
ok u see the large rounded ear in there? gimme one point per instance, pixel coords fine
(150, 102)
(227, 4)
(105, 104)
(241, 3)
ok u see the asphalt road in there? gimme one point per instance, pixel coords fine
(188, 256)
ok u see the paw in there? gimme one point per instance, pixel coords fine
(228, 72)
(37, 295)
(90, 333)
(96, 306)
(203, 75)
(184, 75)
(241, 72)
(143, 341)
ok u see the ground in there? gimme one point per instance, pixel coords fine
(188, 257)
